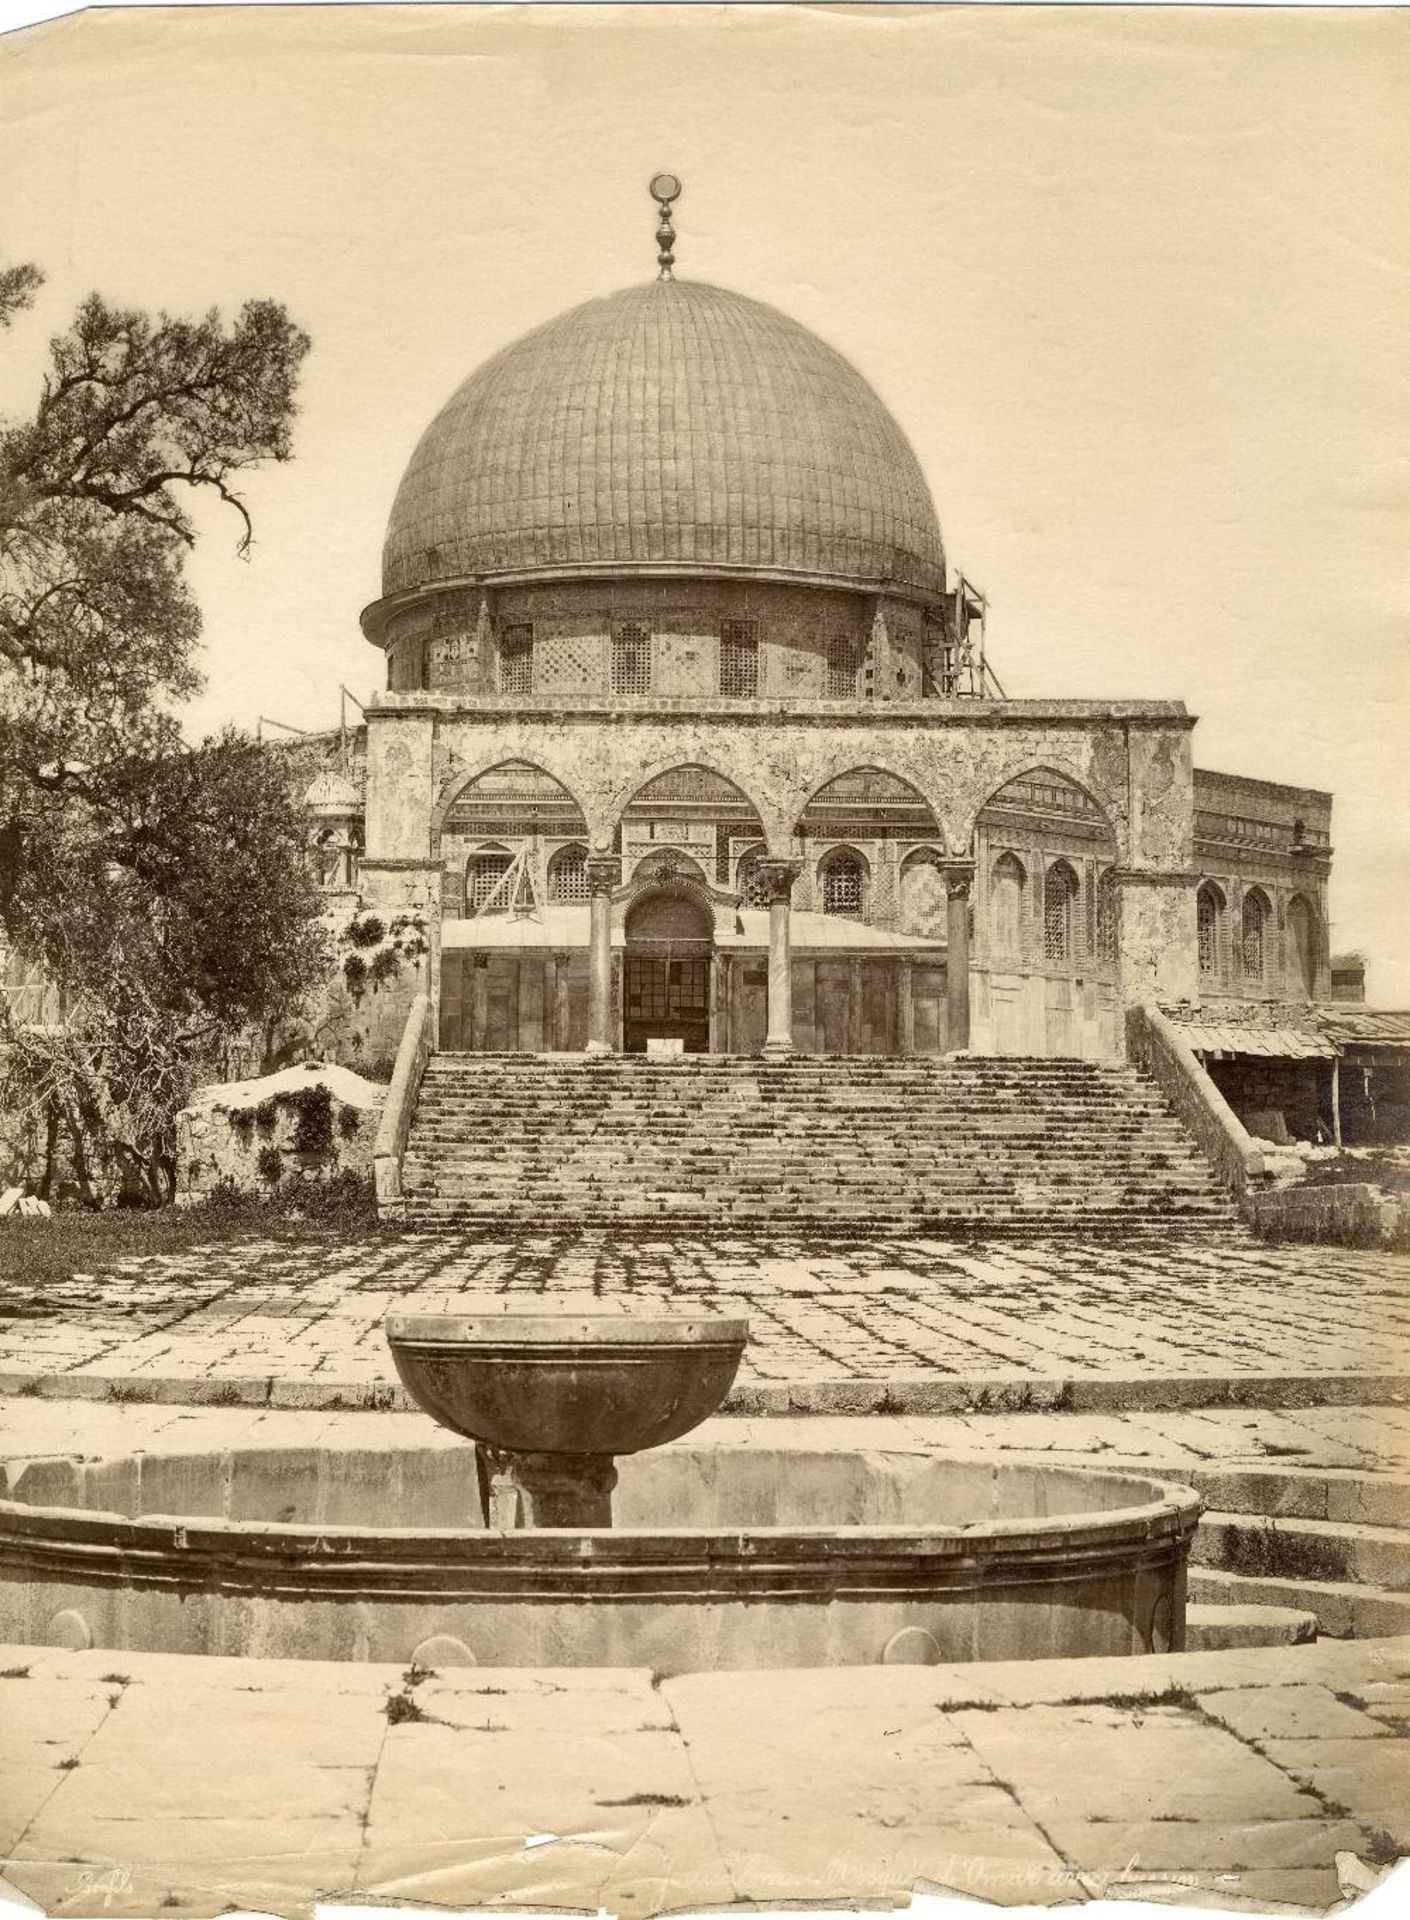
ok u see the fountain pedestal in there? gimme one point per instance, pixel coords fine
(552, 1398)
(547, 1489)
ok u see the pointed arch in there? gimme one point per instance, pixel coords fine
(1254, 917)
(1211, 916)
(1008, 891)
(508, 797)
(705, 815)
(1052, 790)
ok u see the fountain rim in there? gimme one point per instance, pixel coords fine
(491, 1332)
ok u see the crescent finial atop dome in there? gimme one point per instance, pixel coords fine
(665, 189)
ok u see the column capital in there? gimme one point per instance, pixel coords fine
(776, 874)
(959, 877)
(603, 872)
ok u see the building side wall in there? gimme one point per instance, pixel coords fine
(1258, 838)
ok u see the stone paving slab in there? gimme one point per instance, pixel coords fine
(1233, 1446)
(833, 1326)
(138, 1784)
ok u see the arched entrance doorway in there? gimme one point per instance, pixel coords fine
(670, 940)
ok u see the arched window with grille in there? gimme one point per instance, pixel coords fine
(1209, 928)
(1060, 890)
(1006, 885)
(843, 878)
(483, 873)
(749, 886)
(1253, 935)
(567, 874)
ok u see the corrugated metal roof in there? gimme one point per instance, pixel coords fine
(1259, 1043)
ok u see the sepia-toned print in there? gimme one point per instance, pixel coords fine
(704, 1197)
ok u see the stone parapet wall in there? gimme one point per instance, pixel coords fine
(1352, 1214)
(306, 1125)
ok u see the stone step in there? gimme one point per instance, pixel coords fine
(1341, 1494)
(1300, 1549)
(1344, 1610)
(1215, 1629)
(949, 1144)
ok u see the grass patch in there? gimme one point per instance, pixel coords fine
(53, 1252)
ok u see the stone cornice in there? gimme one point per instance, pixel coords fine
(625, 709)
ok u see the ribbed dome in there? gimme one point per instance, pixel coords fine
(673, 424)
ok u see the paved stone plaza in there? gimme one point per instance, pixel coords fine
(1242, 1779)
(302, 1325)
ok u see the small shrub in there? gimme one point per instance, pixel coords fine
(367, 932)
(314, 1130)
(271, 1165)
(349, 1123)
(267, 1114)
(355, 973)
(385, 966)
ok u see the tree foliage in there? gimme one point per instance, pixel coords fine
(164, 889)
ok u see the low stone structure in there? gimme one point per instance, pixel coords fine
(307, 1123)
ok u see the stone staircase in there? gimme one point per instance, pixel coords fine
(964, 1144)
(1331, 1544)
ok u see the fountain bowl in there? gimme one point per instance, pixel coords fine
(567, 1383)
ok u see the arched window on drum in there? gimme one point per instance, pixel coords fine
(1060, 896)
(1006, 888)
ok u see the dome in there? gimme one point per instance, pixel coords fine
(332, 793)
(673, 427)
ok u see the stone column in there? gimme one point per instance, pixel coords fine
(561, 965)
(905, 1006)
(479, 1000)
(604, 871)
(719, 1040)
(853, 1040)
(777, 877)
(959, 874)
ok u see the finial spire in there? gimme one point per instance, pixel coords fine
(665, 188)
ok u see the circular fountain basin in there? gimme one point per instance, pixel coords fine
(722, 1556)
(567, 1383)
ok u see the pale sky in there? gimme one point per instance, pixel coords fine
(1136, 284)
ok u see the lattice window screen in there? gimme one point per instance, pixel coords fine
(516, 659)
(482, 874)
(843, 659)
(1059, 889)
(1251, 946)
(843, 887)
(1207, 931)
(567, 874)
(739, 658)
(569, 663)
(631, 660)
